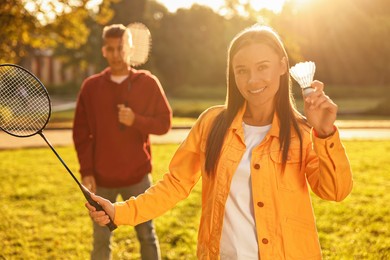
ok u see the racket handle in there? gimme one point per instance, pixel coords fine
(98, 207)
(122, 127)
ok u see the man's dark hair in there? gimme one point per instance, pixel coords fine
(113, 31)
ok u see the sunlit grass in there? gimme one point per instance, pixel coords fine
(43, 214)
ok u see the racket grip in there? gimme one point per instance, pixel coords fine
(98, 207)
(122, 127)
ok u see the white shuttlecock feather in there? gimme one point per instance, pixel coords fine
(303, 73)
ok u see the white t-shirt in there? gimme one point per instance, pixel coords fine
(118, 79)
(239, 240)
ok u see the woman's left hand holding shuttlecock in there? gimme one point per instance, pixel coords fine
(320, 110)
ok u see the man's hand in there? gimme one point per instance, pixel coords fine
(89, 183)
(125, 115)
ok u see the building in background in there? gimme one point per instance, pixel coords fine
(51, 70)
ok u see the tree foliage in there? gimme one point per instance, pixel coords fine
(348, 39)
(24, 30)
(190, 47)
(17, 26)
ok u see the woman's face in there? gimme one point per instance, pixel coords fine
(257, 69)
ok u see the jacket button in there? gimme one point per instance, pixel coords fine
(257, 166)
(264, 240)
(260, 204)
(331, 145)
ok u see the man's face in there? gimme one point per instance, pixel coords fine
(114, 54)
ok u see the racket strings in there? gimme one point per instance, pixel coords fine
(24, 103)
(138, 53)
(141, 39)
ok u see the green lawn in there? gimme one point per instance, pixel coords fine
(43, 214)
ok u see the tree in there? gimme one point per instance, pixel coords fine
(191, 47)
(32, 25)
(126, 11)
(17, 26)
(347, 39)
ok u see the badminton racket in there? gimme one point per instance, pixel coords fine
(25, 109)
(137, 44)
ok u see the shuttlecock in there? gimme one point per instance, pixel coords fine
(303, 73)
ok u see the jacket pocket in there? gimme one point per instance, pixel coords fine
(293, 177)
(300, 239)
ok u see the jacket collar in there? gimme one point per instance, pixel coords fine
(236, 125)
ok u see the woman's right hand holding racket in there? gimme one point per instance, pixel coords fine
(102, 218)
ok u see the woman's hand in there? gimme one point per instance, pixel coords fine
(320, 110)
(100, 217)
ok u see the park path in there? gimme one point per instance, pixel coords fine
(349, 130)
(63, 137)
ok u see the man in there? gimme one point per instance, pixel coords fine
(116, 111)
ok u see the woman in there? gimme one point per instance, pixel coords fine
(256, 157)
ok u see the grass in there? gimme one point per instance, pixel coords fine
(357, 228)
(43, 214)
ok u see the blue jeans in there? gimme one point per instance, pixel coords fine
(146, 234)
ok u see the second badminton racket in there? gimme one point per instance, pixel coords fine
(25, 109)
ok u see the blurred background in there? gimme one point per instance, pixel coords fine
(60, 42)
(43, 216)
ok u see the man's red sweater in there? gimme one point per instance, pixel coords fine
(117, 155)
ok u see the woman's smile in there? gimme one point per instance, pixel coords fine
(257, 90)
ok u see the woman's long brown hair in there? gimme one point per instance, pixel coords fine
(284, 102)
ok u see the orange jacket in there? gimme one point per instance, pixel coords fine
(285, 222)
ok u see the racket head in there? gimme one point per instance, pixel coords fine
(137, 44)
(25, 105)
